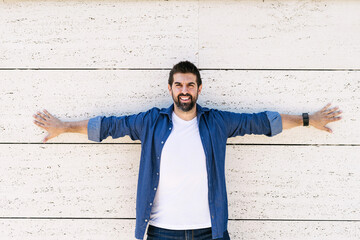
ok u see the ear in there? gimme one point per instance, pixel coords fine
(200, 88)
(169, 87)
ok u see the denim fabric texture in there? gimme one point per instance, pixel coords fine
(153, 127)
(156, 233)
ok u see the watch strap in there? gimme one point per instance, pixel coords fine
(305, 119)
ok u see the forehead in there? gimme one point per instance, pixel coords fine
(184, 77)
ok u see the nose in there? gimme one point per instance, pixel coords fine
(184, 90)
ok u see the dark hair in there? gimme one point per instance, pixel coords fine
(184, 67)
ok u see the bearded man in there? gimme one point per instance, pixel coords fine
(181, 191)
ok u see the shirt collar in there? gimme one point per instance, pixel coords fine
(199, 111)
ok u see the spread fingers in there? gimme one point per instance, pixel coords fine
(334, 114)
(39, 124)
(334, 119)
(44, 116)
(326, 107)
(331, 110)
(46, 112)
(39, 118)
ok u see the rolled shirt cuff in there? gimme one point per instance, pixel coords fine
(275, 123)
(93, 129)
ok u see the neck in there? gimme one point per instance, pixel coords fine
(187, 116)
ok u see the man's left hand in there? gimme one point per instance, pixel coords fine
(324, 116)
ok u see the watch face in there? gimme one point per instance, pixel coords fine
(305, 119)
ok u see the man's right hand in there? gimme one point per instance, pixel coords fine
(51, 124)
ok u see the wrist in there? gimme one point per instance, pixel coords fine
(311, 120)
(74, 127)
(306, 119)
(65, 127)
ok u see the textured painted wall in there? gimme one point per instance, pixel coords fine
(80, 59)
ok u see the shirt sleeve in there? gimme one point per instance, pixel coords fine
(101, 127)
(275, 123)
(238, 124)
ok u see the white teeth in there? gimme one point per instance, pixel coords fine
(186, 98)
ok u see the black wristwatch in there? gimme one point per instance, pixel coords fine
(305, 119)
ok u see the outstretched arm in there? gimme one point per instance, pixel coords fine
(55, 127)
(318, 120)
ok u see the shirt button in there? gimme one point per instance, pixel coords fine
(158, 157)
(157, 173)
(169, 128)
(145, 220)
(150, 204)
(162, 142)
(212, 217)
(155, 189)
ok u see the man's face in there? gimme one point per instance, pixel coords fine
(184, 91)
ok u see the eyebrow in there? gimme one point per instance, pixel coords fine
(190, 83)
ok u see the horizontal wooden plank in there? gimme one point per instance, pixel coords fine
(73, 180)
(282, 182)
(31, 229)
(66, 229)
(149, 34)
(78, 95)
(263, 182)
(279, 34)
(100, 34)
(289, 92)
(284, 230)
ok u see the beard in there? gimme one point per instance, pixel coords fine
(185, 107)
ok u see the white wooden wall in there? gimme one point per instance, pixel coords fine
(80, 59)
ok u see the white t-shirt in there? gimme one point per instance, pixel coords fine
(181, 200)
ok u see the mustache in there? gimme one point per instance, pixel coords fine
(184, 95)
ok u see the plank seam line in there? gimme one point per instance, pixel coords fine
(198, 29)
(230, 219)
(228, 144)
(298, 220)
(65, 218)
(200, 69)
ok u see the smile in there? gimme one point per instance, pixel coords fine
(185, 98)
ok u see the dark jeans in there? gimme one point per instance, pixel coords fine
(156, 233)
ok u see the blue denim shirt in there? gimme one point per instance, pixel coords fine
(154, 126)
